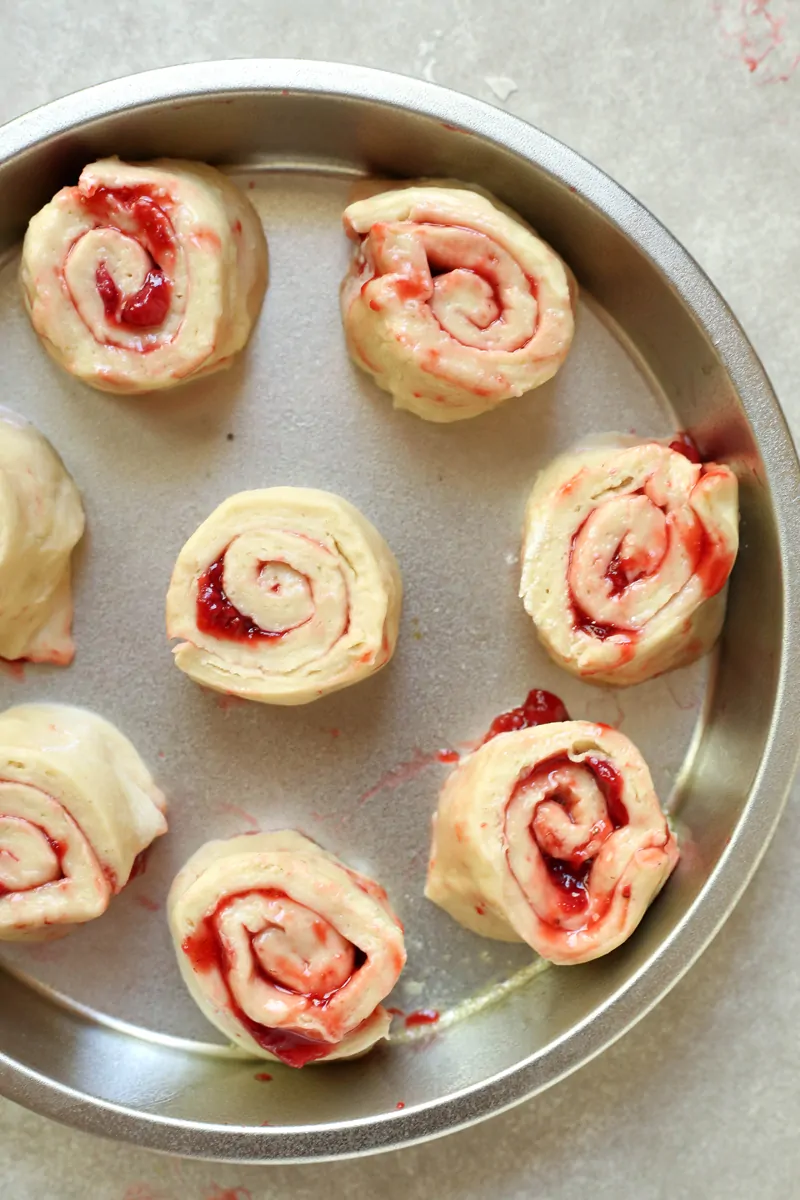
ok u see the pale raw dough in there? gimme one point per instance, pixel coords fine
(456, 343)
(41, 520)
(302, 934)
(185, 218)
(674, 526)
(77, 805)
(304, 565)
(497, 816)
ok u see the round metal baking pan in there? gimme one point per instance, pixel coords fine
(96, 1030)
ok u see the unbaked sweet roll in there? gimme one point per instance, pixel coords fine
(77, 805)
(451, 302)
(284, 948)
(552, 836)
(626, 554)
(144, 275)
(41, 521)
(283, 595)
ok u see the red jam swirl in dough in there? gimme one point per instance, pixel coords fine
(609, 781)
(570, 875)
(585, 624)
(139, 203)
(216, 615)
(205, 950)
(539, 708)
(59, 850)
(135, 277)
(711, 563)
(149, 306)
(571, 883)
(451, 302)
(477, 258)
(619, 573)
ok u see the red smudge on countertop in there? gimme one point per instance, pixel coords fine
(760, 39)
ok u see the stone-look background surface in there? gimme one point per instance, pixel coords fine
(694, 106)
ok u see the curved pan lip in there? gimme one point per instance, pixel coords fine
(770, 789)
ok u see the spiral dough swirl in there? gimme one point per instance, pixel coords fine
(283, 595)
(553, 836)
(451, 302)
(77, 805)
(286, 950)
(626, 554)
(145, 275)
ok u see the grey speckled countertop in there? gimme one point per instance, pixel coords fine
(694, 106)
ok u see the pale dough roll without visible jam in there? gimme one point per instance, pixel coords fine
(283, 595)
(144, 275)
(552, 836)
(626, 554)
(284, 948)
(77, 805)
(452, 303)
(41, 521)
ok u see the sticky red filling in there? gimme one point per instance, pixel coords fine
(539, 708)
(143, 206)
(146, 308)
(569, 876)
(683, 443)
(712, 562)
(218, 616)
(422, 1016)
(609, 780)
(149, 306)
(205, 951)
(570, 881)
